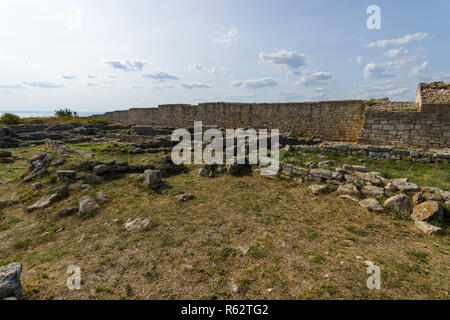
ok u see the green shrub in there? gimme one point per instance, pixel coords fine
(9, 119)
(66, 113)
(370, 102)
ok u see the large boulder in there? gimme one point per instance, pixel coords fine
(348, 188)
(321, 174)
(371, 204)
(153, 179)
(400, 203)
(404, 185)
(427, 210)
(372, 191)
(10, 285)
(87, 205)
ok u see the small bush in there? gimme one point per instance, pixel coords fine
(10, 119)
(370, 102)
(66, 114)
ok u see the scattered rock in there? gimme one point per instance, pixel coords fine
(372, 205)
(43, 203)
(400, 203)
(66, 174)
(428, 228)
(100, 169)
(10, 285)
(372, 191)
(92, 179)
(404, 185)
(359, 168)
(348, 188)
(101, 196)
(326, 164)
(184, 197)
(153, 179)
(133, 224)
(417, 198)
(427, 211)
(37, 186)
(87, 205)
(86, 187)
(317, 189)
(58, 162)
(311, 164)
(321, 173)
(5, 154)
(346, 196)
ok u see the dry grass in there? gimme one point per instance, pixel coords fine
(299, 245)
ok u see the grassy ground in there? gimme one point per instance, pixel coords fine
(248, 233)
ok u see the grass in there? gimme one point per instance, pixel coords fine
(422, 174)
(192, 250)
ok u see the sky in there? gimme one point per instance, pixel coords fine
(104, 55)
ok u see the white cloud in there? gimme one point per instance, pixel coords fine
(393, 53)
(12, 86)
(406, 39)
(91, 76)
(126, 65)
(195, 85)
(200, 68)
(160, 76)
(397, 92)
(377, 70)
(314, 77)
(359, 59)
(43, 84)
(69, 76)
(380, 89)
(440, 77)
(255, 83)
(162, 87)
(228, 39)
(289, 61)
(417, 71)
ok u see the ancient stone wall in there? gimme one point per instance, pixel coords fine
(330, 120)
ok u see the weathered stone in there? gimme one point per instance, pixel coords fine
(102, 168)
(101, 196)
(371, 204)
(70, 174)
(432, 196)
(10, 285)
(5, 154)
(58, 162)
(184, 197)
(326, 164)
(348, 188)
(321, 173)
(428, 228)
(359, 168)
(445, 195)
(311, 164)
(87, 205)
(65, 212)
(134, 224)
(152, 178)
(404, 185)
(427, 210)
(417, 198)
(92, 179)
(372, 191)
(317, 189)
(346, 196)
(400, 203)
(43, 203)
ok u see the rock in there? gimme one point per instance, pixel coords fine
(92, 179)
(86, 187)
(65, 212)
(359, 168)
(338, 176)
(372, 191)
(317, 189)
(372, 205)
(326, 164)
(321, 173)
(101, 196)
(87, 205)
(10, 285)
(184, 197)
(427, 211)
(447, 204)
(37, 186)
(136, 224)
(43, 203)
(102, 168)
(404, 185)
(58, 162)
(417, 198)
(153, 179)
(347, 167)
(311, 164)
(390, 187)
(5, 154)
(432, 196)
(428, 228)
(348, 188)
(400, 203)
(69, 174)
(445, 195)
(346, 196)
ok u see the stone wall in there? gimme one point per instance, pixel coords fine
(330, 120)
(427, 128)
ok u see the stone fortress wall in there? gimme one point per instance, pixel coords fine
(423, 124)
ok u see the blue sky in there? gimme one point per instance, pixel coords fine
(100, 55)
